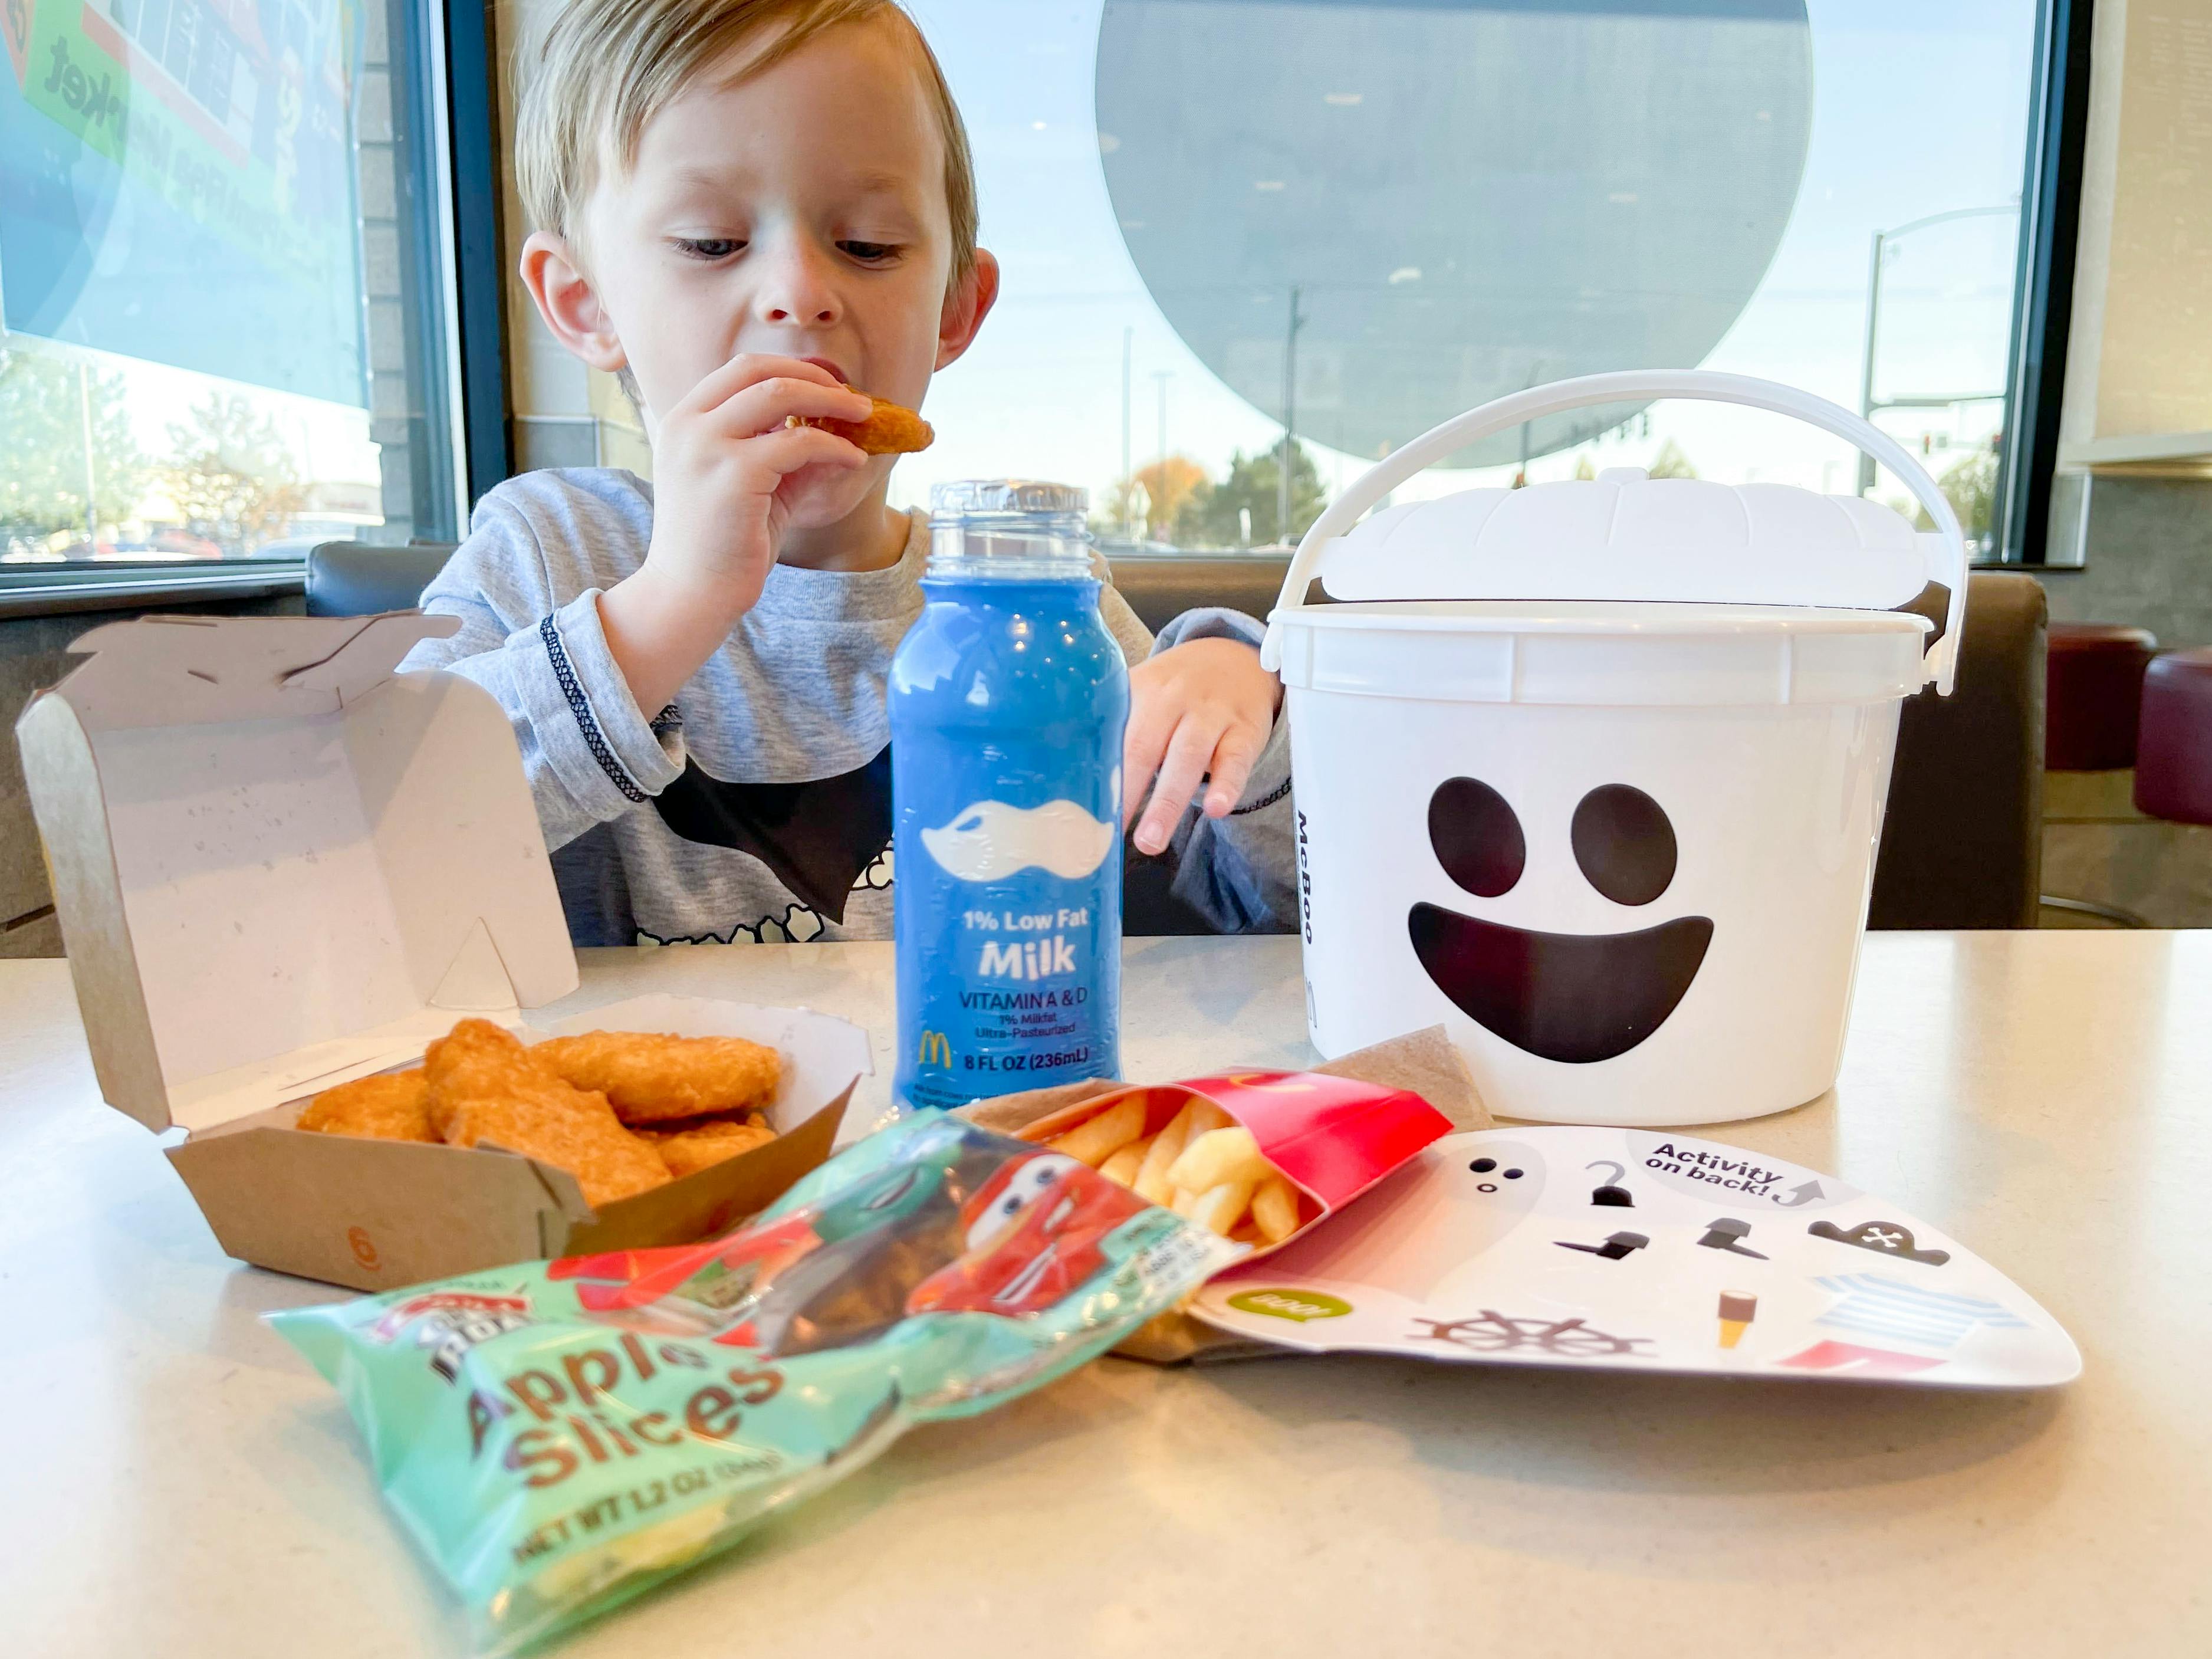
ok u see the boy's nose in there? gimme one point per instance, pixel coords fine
(798, 292)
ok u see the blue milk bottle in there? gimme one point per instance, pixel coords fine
(1007, 701)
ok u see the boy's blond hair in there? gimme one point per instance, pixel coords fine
(606, 67)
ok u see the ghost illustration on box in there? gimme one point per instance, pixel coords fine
(991, 840)
(1415, 1230)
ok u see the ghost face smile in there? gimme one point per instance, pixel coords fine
(1574, 997)
(1570, 997)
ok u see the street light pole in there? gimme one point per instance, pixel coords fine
(1289, 419)
(1128, 335)
(91, 482)
(1866, 373)
(1882, 238)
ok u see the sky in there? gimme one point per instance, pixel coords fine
(1918, 108)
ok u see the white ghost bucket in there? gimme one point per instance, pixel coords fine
(1593, 772)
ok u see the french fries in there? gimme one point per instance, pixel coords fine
(1203, 1164)
(1097, 1139)
(1121, 1168)
(1217, 1159)
(1275, 1209)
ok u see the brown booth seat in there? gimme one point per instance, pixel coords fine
(2093, 689)
(1961, 843)
(2173, 753)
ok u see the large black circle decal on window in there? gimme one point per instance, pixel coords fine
(1380, 160)
(1624, 843)
(1477, 837)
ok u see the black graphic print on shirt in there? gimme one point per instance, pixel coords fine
(819, 836)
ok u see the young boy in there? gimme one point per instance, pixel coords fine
(746, 209)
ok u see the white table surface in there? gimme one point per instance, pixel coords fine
(173, 1481)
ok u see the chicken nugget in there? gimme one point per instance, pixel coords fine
(649, 1077)
(692, 1148)
(390, 1106)
(485, 1086)
(890, 429)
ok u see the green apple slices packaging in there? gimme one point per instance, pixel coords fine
(560, 1436)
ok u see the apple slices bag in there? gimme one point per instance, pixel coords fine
(561, 1435)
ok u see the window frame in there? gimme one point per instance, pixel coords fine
(447, 87)
(2043, 289)
(476, 271)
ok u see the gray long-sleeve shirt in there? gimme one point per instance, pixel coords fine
(757, 805)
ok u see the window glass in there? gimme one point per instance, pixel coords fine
(220, 281)
(1372, 216)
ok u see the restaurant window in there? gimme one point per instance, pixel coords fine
(224, 282)
(1215, 216)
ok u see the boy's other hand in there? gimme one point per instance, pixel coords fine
(1201, 708)
(727, 471)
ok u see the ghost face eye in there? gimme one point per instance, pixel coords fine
(1624, 843)
(1476, 837)
(970, 822)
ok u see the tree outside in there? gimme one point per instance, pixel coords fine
(1214, 516)
(1671, 462)
(1178, 504)
(233, 477)
(48, 405)
(1170, 486)
(1971, 487)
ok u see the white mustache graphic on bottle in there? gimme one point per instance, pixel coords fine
(991, 840)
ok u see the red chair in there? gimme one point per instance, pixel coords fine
(2092, 693)
(2173, 759)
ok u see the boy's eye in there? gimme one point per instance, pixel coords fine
(708, 248)
(868, 252)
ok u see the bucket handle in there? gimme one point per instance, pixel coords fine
(1632, 384)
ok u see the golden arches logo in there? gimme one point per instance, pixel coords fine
(1279, 1083)
(935, 1050)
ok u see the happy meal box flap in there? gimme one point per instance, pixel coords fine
(278, 863)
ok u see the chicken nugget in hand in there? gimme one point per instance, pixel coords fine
(390, 1106)
(890, 429)
(649, 1077)
(485, 1086)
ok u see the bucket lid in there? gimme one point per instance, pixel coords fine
(1626, 536)
(1595, 653)
(1627, 539)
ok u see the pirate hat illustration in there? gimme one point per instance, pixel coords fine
(1883, 1237)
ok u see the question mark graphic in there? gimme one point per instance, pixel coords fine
(1612, 1193)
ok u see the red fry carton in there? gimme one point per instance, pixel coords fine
(1332, 1137)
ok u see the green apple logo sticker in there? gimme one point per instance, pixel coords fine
(1299, 1305)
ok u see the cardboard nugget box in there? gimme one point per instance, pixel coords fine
(279, 866)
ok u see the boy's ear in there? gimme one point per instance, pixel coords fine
(568, 302)
(966, 304)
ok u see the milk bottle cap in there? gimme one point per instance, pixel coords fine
(1008, 529)
(965, 497)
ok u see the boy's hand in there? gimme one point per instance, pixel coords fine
(723, 466)
(724, 470)
(1205, 707)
